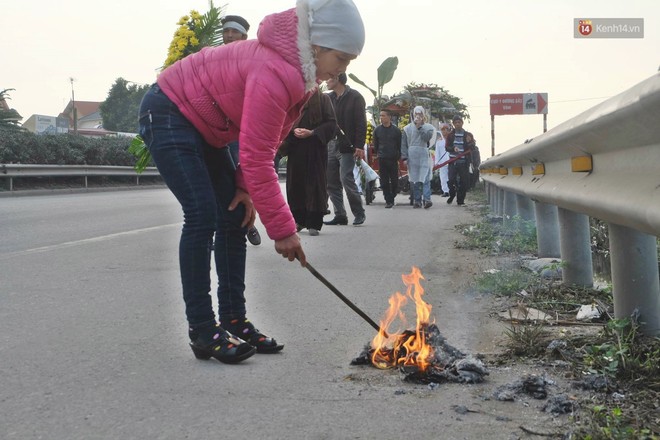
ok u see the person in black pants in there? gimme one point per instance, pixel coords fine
(387, 144)
(459, 146)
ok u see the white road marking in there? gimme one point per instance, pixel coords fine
(69, 244)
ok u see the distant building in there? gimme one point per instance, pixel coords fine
(90, 122)
(42, 124)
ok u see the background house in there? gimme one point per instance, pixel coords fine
(90, 122)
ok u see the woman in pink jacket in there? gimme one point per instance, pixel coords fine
(251, 91)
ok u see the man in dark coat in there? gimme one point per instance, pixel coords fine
(387, 144)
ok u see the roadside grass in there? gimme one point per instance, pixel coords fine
(497, 236)
(610, 358)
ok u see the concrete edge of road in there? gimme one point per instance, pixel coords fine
(55, 191)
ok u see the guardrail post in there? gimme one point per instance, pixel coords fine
(509, 205)
(524, 207)
(500, 202)
(85, 182)
(492, 196)
(635, 278)
(575, 244)
(547, 230)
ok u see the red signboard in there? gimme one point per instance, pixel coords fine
(519, 104)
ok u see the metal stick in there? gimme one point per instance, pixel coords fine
(341, 296)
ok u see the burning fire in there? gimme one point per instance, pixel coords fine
(407, 348)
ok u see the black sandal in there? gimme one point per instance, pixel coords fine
(220, 345)
(245, 330)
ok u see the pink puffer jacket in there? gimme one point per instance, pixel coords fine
(253, 91)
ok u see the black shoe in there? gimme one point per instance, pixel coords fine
(389, 204)
(337, 221)
(428, 204)
(215, 342)
(253, 236)
(445, 195)
(450, 199)
(460, 203)
(245, 330)
(417, 205)
(359, 220)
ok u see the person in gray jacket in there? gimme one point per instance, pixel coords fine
(415, 142)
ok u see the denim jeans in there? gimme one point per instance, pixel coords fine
(422, 191)
(201, 177)
(427, 187)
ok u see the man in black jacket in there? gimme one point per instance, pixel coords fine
(459, 145)
(349, 108)
(387, 143)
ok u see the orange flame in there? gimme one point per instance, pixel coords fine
(398, 349)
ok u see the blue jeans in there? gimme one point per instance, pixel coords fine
(201, 177)
(422, 190)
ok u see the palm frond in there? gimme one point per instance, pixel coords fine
(142, 155)
(210, 30)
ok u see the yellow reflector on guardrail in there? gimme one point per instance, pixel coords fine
(581, 164)
(539, 169)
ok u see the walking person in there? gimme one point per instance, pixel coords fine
(252, 91)
(387, 145)
(459, 147)
(415, 140)
(343, 151)
(441, 156)
(307, 150)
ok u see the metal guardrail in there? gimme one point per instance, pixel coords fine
(605, 164)
(12, 171)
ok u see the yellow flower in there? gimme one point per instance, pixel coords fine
(185, 40)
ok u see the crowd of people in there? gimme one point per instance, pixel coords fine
(216, 121)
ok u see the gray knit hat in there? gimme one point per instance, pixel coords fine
(336, 24)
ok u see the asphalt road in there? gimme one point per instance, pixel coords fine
(93, 339)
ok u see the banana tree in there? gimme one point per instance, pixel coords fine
(385, 74)
(9, 118)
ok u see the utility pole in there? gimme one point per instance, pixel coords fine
(74, 111)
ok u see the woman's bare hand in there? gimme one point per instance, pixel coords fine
(302, 133)
(291, 249)
(244, 198)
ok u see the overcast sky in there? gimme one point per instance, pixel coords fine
(473, 48)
